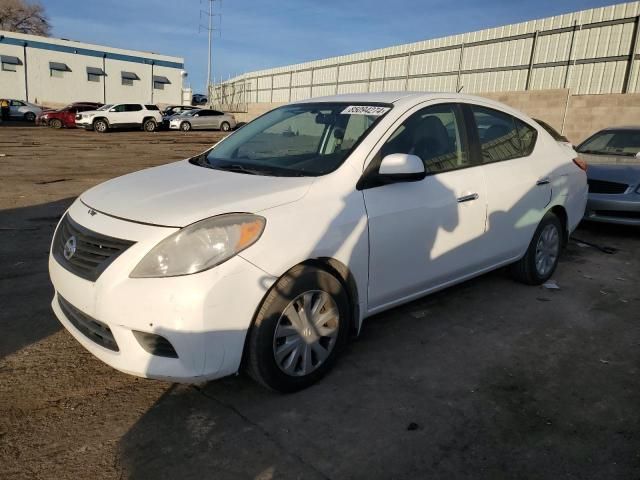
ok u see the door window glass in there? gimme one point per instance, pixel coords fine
(499, 139)
(435, 135)
(133, 107)
(528, 136)
(119, 108)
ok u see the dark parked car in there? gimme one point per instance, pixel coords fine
(199, 99)
(613, 159)
(65, 117)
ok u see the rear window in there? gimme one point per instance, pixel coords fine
(151, 107)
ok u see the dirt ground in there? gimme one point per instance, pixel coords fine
(490, 379)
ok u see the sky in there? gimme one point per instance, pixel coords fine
(258, 34)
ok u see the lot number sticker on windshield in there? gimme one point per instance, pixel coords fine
(365, 110)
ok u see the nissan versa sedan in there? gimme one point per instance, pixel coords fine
(613, 156)
(267, 251)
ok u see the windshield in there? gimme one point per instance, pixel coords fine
(613, 142)
(307, 139)
(105, 107)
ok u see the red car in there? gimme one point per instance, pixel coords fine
(65, 117)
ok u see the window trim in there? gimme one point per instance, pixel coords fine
(370, 177)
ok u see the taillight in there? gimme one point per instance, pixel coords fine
(582, 165)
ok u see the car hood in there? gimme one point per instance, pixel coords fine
(613, 168)
(181, 193)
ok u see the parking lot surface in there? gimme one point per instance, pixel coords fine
(489, 379)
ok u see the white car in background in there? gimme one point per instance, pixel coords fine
(268, 250)
(21, 110)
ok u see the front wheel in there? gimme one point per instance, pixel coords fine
(55, 123)
(149, 125)
(541, 259)
(299, 330)
(30, 116)
(185, 126)
(100, 126)
(225, 127)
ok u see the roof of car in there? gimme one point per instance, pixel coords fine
(622, 127)
(407, 99)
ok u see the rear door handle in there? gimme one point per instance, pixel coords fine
(468, 198)
(543, 181)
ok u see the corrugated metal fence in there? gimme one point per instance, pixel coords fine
(589, 52)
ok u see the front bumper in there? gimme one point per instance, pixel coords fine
(622, 209)
(204, 316)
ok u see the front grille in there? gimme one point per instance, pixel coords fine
(93, 252)
(602, 186)
(89, 327)
(618, 214)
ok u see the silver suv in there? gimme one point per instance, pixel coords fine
(121, 115)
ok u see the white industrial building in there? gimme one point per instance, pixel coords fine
(53, 71)
(593, 51)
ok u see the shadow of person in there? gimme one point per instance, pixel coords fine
(25, 236)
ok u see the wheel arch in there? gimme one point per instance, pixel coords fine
(100, 118)
(344, 275)
(560, 212)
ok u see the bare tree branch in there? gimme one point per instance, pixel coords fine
(24, 16)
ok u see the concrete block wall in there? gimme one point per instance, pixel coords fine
(576, 116)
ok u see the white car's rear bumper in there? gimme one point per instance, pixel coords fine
(203, 316)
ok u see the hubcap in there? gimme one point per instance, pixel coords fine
(306, 333)
(547, 249)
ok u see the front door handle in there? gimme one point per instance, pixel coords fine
(468, 198)
(543, 181)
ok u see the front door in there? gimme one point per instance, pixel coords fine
(425, 234)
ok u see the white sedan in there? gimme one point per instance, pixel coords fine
(267, 251)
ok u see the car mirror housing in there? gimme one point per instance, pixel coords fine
(402, 167)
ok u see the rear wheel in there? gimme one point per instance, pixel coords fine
(185, 126)
(225, 127)
(149, 125)
(30, 116)
(541, 259)
(100, 126)
(55, 123)
(299, 330)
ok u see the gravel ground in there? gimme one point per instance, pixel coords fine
(489, 379)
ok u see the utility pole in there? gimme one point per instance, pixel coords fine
(210, 28)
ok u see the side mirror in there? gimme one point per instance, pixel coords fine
(638, 155)
(197, 115)
(402, 167)
(112, 110)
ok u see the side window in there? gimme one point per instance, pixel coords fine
(119, 108)
(436, 135)
(133, 107)
(528, 137)
(498, 134)
(204, 113)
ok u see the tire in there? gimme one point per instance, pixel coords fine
(30, 117)
(149, 125)
(225, 127)
(541, 259)
(101, 126)
(55, 123)
(306, 352)
(185, 126)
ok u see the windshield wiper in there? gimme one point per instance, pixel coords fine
(239, 169)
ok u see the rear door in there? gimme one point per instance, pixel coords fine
(518, 184)
(134, 114)
(425, 234)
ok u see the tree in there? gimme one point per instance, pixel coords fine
(23, 16)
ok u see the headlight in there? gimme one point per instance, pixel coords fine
(201, 246)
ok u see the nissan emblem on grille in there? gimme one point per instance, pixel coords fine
(70, 247)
